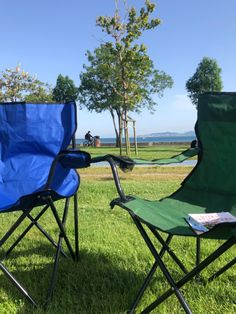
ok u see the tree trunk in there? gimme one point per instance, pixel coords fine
(120, 131)
(115, 127)
(135, 139)
(124, 96)
(127, 141)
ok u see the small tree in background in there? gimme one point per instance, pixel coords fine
(16, 84)
(43, 94)
(65, 89)
(121, 77)
(206, 79)
(98, 88)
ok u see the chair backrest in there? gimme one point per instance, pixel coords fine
(31, 135)
(216, 132)
(35, 128)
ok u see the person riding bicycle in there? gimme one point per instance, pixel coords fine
(88, 136)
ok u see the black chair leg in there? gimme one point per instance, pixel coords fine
(17, 285)
(222, 270)
(196, 270)
(143, 288)
(56, 260)
(174, 287)
(76, 226)
(198, 251)
(149, 277)
(61, 227)
(165, 246)
(15, 226)
(40, 228)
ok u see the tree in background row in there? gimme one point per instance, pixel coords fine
(43, 94)
(121, 76)
(65, 89)
(206, 79)
(16, 84)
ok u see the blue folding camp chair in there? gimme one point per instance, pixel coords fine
(37, 169)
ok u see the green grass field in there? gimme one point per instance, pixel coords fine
(113, 257)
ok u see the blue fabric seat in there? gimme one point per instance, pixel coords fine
(6, 200)
(28, 175)
(37, 167)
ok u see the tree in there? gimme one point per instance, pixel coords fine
(43, 94)
(65, 89)
(99, 86)
(16, 84)
(206, 79)
(120, 76)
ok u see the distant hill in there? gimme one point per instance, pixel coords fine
(170, 134)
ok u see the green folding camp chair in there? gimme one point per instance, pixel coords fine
(209, 188)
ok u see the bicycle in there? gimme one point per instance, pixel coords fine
(87, 143)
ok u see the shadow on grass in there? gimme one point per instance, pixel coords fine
(98, 283)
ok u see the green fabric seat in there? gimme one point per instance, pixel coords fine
(169, 215)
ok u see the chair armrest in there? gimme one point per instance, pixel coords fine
(189, 153)
(126, 163)
(75, 159)
(71, 159)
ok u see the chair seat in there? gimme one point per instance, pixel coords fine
(6, 200)
(18, 191)
(169, 214)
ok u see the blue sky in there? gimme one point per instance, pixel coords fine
(49, 37)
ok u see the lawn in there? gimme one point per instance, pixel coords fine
(113, 258)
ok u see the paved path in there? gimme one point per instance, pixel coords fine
(184, 163)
